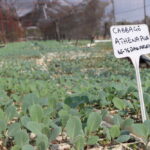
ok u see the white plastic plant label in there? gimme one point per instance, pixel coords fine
(132, 41)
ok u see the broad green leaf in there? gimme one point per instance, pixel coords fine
(92, 140)
(29, 100)
(117, 120)
(51, 133)
(103, 100)
(79, 142)
(119, 103)
(102, 95)
(11, 112)
(104, 113)
(21, 138)
(147, 98)
(123, 138)
(52, 102)
(75, 101)
(114, 131)
(48, 111)
(3, 125)
(147, 125)
(25, 120)
(2, 115)
(16, 147)
(43, 101)
(126, 124)
(46, 120)
(140, 130)
(64, 116)
(35, 127)
(42, 142)
(120, 89)
(47, 132)
(15, 97)
(93, 122)
(129, 104)
(36, 113)
(135, 95)
(131, 88)
(74, 112)
(13, 128)
(107, 132)
(32, 87)
(27, 147)
(54, 133)
(4, 99)
(74, 127)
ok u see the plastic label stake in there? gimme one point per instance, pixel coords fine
(132, 41)
(135, 61)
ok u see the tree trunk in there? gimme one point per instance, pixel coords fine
(145, 17)
(77, 40)
(57, 31)
(106, 30)
(92, 39)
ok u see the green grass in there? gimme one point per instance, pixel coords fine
(32, 49)
(19, 49)
(105, 45)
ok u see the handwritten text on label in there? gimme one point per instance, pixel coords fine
(130, 40)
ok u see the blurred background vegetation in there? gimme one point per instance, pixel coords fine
(60, 20)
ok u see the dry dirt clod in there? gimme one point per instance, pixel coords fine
(96, 148)
(32, 136)
(62, 146)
